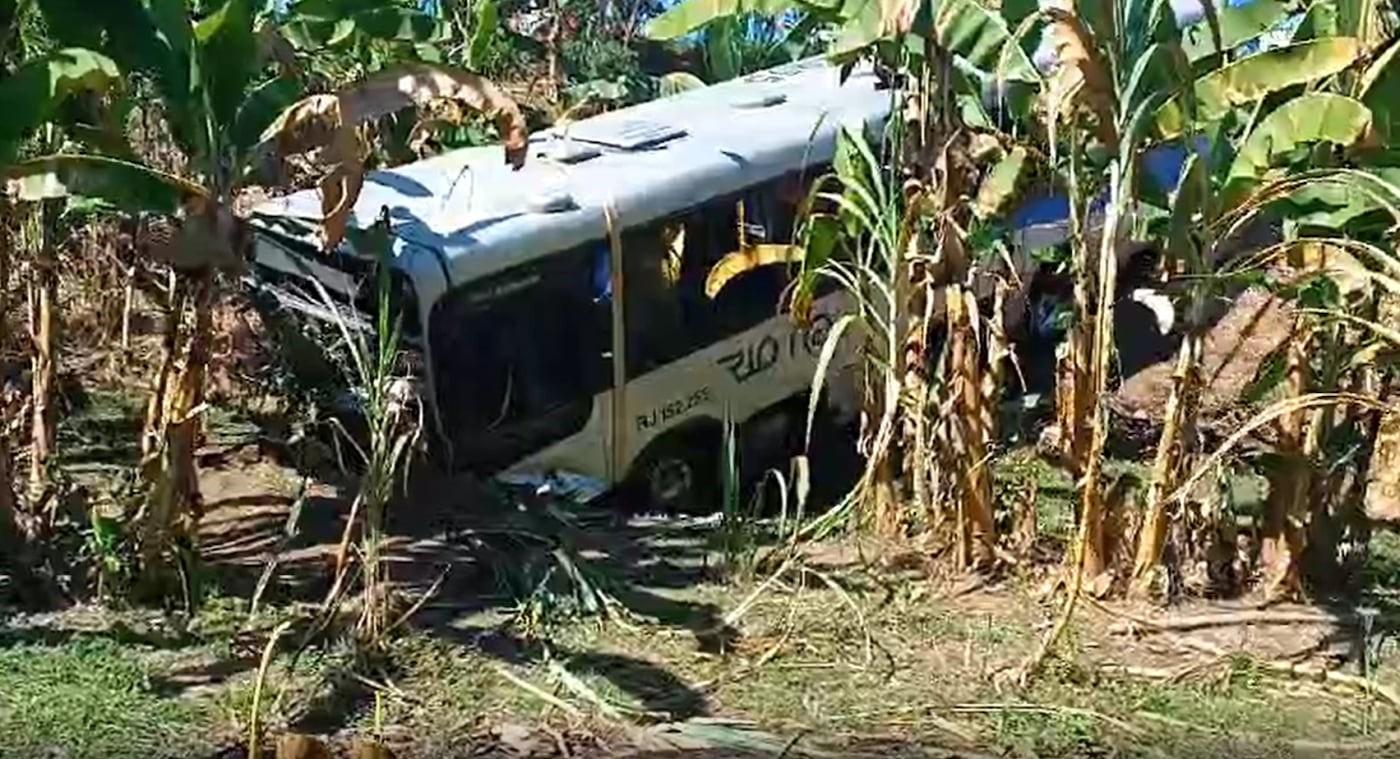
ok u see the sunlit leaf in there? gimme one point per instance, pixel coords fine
(677, 82)
(979, 35)
(1238, 23)
(740, 261)
(123, 184)
(689, 15)
(1318, 117)
(1253, 77)
(1002, 184)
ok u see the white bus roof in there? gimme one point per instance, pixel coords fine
(476, 216)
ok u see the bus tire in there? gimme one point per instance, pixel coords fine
(678, 474)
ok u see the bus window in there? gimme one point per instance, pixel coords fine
(519, 358)
(666, 263)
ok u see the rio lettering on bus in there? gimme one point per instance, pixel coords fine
(764, 352)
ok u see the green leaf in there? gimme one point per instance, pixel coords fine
(153, 37)
(1319, 117)
(1380, 91)
(1254, 77)
(1192, 194)
(722, 49)
(125, 185)
(1269, 375)
(1333, 206)
(32, 95)
(399, 24)
(968, 29)
(689, 15)
(1320, 20)
(999, 189)
(228, 52)
(863, 24)
(484, 24)
(1238, 24)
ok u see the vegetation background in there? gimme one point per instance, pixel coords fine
(1052, 546)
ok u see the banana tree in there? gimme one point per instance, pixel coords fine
(218, 101)
(35, 93)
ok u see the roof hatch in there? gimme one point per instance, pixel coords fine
(625, 134)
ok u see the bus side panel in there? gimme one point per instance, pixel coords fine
(736, 377)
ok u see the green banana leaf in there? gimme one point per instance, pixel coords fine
(33, 93)
(1380, 91)
(153, 37)
(1317, 117)
(1254, 77)
(1238, 24)
(228, 52)
(689, 15)
(125, 185)
(982, 37)
(485, 21)
(1002, 184)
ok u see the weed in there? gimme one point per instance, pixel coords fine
(89, 698)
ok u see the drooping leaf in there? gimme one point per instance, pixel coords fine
(263, 105)
(123, 184)
(1080, 79)
(751, 257)
(1253, 77)
(1003, 182)
(1318, 117)
(32, 95)
(329, 122)
(228, 50)
(689, 15)
(1334, 206)
(485, 20)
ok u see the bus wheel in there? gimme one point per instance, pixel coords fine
(677, 477)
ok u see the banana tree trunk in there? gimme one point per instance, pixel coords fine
(11, 535)
(173, 509)
(1174, 449)
(153, 430)
(977, 533)
(1382, 498)
(43, 333)
(1284, 534)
